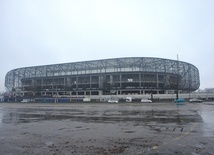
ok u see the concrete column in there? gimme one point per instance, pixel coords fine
(90, 82)
(100, 92)
(120, 81)
(157, 85)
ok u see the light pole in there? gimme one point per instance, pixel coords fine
(56, 92)
(177, 79)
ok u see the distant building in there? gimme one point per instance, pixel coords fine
(209, 90)
(130, 75)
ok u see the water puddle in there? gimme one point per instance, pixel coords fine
(207, 114)
(102, 116)
(1, 116)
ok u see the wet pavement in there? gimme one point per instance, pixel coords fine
(102, 128)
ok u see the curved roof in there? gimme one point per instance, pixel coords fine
(187, 71)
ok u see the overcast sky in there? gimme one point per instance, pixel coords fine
(40, 32)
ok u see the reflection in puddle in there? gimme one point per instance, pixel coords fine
(208, 125)
(100, 116)
(1, 117)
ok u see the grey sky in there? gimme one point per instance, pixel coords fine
(40, 32)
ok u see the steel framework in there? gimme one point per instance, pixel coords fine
(102, 74)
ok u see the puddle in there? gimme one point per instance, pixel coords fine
(1, 116)
(207, 114)
(28, 115)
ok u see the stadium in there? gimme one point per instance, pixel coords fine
(117, 76)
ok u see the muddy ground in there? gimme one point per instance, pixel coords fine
(106, 129)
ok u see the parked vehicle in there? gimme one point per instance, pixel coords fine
(195, 100)
(112, 101)
(146, 101)
(128, 99)
(179, 100)
(25, 100)
(28, 100)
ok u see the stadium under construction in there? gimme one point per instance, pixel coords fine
(118, 76)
